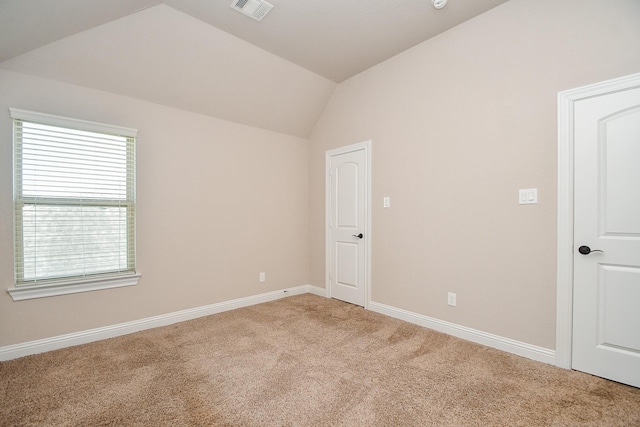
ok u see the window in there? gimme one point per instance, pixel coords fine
(74, 205)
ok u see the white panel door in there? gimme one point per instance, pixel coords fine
(606, 298)
(348, 226)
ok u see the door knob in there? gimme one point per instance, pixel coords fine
(359, 236)
(586, 250)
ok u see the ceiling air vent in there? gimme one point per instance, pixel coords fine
(256, 9)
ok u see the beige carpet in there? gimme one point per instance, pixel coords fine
(302, 361)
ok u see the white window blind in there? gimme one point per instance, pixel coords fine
(74, 192)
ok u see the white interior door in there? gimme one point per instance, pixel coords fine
(348, 232)
(606, 287)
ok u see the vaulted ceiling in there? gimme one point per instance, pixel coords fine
(202, 56)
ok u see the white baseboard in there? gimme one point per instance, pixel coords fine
(315, 290)
(83, 337)
(519, 348)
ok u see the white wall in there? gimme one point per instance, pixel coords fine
(459, 123)
(217, 203)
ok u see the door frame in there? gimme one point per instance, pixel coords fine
(366, 146)
(566, 143)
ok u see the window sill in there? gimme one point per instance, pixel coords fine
(71, 287)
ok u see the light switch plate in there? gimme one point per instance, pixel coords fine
(386, 202)
(528, 196)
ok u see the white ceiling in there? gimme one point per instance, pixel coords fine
(204, 57)
(335, 39)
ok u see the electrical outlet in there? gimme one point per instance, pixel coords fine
(451, 299)
(263, 277)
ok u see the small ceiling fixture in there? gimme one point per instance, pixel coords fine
(255, 9)
(439, 4)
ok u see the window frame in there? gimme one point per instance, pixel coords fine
(73, 284)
